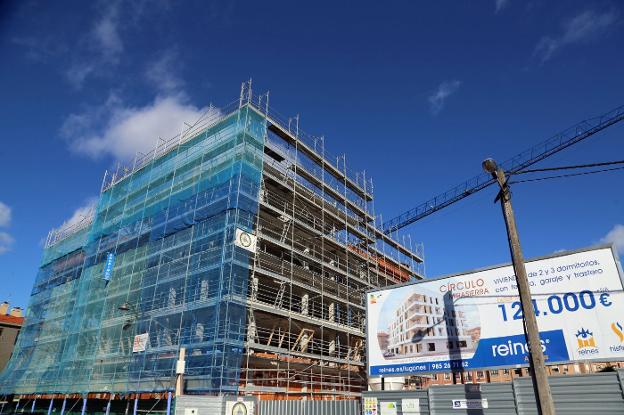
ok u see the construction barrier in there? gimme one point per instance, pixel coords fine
(597, 393)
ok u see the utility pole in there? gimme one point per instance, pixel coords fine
(543, 396)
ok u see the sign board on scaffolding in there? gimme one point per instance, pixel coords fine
(140, 342)
(474, 320)
(108, 267)
(245, 240)
(239, 407)
(180, 367)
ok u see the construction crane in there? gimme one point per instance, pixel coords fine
(547, 148)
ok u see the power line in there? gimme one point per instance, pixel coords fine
(562, 176)
(578, 166)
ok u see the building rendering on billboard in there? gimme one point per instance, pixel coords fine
(421, 316)
(474, 320)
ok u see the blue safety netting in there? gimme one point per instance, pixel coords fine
(176, 276)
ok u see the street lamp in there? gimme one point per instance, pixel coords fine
(545, 404)
(490, 166)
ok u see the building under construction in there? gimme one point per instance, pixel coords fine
(232, 259)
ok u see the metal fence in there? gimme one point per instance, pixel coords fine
(309, 408)
(598, 393)
(471, 398)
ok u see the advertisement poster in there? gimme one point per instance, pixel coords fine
(474, 320)
(370, 405)
(140, 342)
(410, 406)
(388, 408)
(469, 404)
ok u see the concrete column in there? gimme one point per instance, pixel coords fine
(304, 304)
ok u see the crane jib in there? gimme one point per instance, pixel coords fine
(535, 154)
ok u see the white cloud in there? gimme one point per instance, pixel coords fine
(581, 28)
(6, 242)
(101, 49)
(80, 214)
(5, 215)
(122, 131)
(40, 49)
(616, 237)
(439, 96)
(92, 47)
(106, 32)
(501, 4)
(162, 74)
(78, 73)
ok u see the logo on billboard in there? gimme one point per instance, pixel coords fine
(513, 350)
(586, 342)
(618, 330)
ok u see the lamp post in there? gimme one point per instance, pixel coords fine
(545, 404)
(180, 365)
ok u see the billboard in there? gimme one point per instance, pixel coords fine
(474, 320)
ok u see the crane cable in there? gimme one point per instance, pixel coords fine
(579, 166)
(574, 167)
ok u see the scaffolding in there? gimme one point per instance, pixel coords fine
(284, 320)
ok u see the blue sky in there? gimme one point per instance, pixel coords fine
(415, 93)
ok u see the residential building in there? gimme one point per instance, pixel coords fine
(10, 325)
(240, 248)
